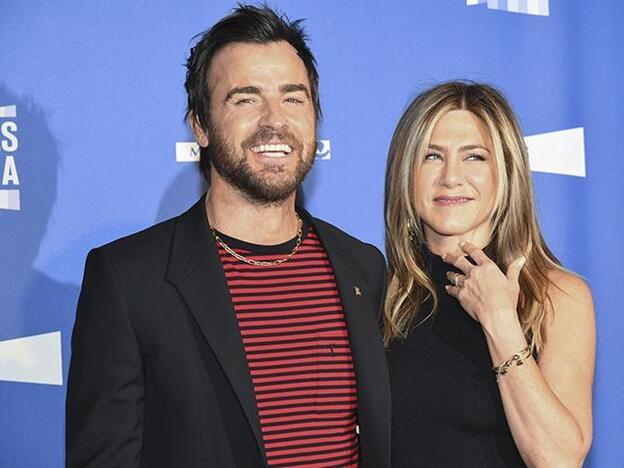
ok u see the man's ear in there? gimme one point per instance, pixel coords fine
(200, 134)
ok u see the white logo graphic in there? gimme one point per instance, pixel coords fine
(561, 152)
(8, 112)
(323, 150)
(9, 195)
(187, 151)
(32, 359)
(528, 7)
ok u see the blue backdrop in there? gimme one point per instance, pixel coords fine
(91, 107)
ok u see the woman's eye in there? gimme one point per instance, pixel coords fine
(475, 157)
(432, 157)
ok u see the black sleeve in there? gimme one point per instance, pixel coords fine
(104, 407)
(379, 282)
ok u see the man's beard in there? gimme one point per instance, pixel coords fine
(232, 165)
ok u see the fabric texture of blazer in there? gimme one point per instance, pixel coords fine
(159, 376)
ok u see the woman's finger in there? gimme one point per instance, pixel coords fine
(475, 253)
(458, 261)
(452, 290)
(513, 272)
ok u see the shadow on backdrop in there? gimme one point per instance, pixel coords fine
(182, 193)
(32, 418)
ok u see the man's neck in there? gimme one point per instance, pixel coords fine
(233, 214)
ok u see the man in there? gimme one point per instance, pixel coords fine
(244, 332)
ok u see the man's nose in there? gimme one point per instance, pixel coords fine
(273, 115)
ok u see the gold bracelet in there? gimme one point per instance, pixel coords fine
(518, 358)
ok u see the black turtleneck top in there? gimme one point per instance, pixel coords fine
(446, 406)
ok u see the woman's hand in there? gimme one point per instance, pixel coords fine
(548, 404)
(483, 290)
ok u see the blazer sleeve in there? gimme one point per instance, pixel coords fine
(379, 279)
(104, 406)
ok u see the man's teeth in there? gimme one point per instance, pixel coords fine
(275, 149)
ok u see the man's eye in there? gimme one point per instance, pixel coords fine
(243, 101)
(294, 100)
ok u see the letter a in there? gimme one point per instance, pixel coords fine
(10, 172)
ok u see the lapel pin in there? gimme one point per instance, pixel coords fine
(357, 291)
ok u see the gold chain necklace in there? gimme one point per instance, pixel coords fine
(251, 261)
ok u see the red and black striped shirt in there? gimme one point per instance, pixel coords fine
(294, 333)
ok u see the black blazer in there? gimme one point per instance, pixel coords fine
(158, 374)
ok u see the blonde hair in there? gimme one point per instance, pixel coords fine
(515, 228)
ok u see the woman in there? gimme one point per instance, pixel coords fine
(490, 341)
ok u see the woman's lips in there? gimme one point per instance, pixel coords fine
(445, 200)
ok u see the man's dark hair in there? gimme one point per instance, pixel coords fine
(248, 24)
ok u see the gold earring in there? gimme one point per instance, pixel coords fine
(410, 232)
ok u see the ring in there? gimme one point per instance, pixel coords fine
(456, 280)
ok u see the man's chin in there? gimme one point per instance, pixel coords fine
(270, 192)
(273, 171)
(269, 182)
(273, 184)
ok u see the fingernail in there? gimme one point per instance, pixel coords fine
(462, 243)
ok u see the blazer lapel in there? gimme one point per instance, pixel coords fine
(197, 272)
(373, 383)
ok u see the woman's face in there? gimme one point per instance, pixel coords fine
(456, 183)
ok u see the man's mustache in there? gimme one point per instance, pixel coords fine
(265, 135)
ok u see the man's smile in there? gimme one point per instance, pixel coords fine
(278, 150)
